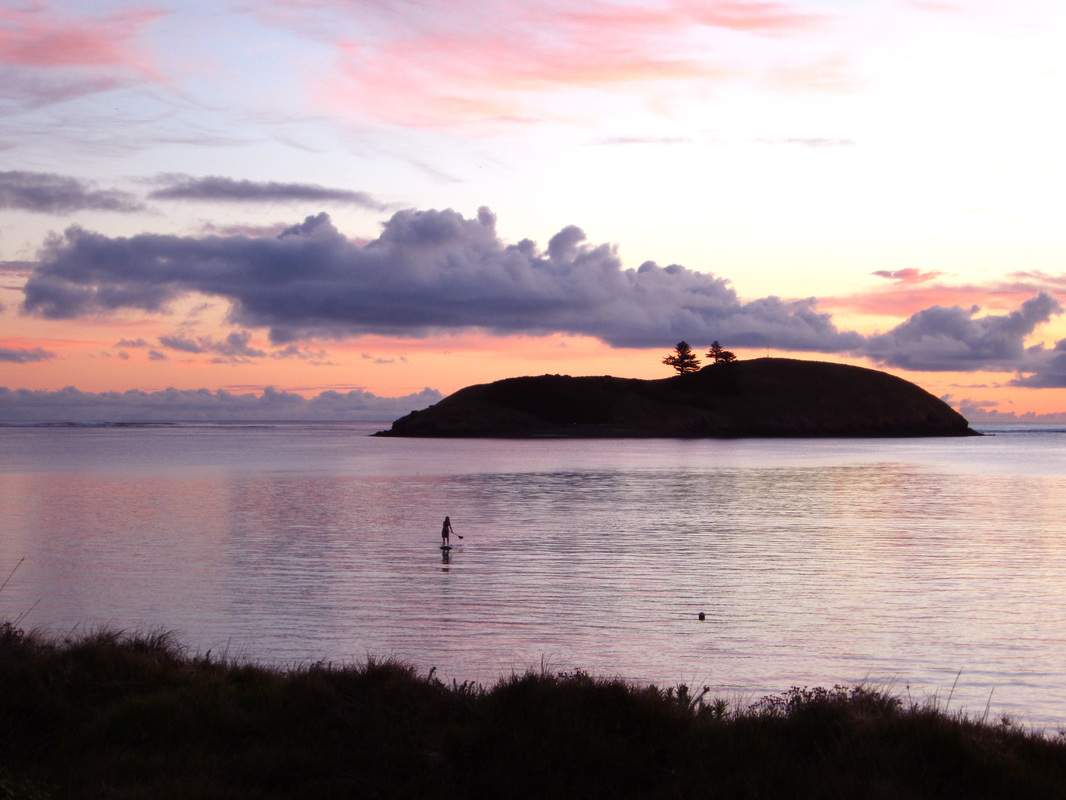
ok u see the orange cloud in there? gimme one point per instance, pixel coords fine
(827, 74)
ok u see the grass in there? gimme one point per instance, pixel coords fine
(115, 715)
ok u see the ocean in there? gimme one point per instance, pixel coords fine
(931, 567)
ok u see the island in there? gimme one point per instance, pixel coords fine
(763, 397)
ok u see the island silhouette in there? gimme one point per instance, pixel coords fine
(763, 397)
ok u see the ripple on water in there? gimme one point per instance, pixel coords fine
(913, 563)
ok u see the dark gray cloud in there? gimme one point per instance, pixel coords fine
(947, 339)
(317, 357)
(434, 271)
(24, 356)
(72, 405)
(382, 360)
(228, 190)
(1047, 368)
(253, 231)
(428, 271)
(188, 344)
(183, 343)
(47, 193)
(982, 411)
(235, 348)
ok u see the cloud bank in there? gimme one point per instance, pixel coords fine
(174, 405)
(984, 411)
(228, 190)
(428, 271)
(47, 193)
(940, 338)
(435, 271)
(1049, 368)
(24, 356)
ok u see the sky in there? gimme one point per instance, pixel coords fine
(351, 208)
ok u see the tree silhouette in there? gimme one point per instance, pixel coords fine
(721, 355)
(683, 359)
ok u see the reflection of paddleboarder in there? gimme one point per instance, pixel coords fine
(446, 532)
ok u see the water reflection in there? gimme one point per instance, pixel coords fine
(813, 562)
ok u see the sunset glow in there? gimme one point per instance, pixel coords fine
(327, 196)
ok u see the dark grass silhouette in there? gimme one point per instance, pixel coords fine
(114, 715)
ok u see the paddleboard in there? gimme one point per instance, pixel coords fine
(445, 547)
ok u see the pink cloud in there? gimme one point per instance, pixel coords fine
(754, 17)
(914, 290)
(449, 69)
(764, 18)
(430, 80)
(936, 7)
(37, 37)
(909, 275)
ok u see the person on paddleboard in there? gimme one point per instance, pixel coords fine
(446, 532)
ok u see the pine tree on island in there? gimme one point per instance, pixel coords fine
(721, 355)
(682, 359)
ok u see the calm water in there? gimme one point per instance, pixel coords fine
(909, 562)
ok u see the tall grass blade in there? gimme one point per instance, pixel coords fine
(2, 585)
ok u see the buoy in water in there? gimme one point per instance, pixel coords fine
(702, 616)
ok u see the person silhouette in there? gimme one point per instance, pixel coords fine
(446, 532)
